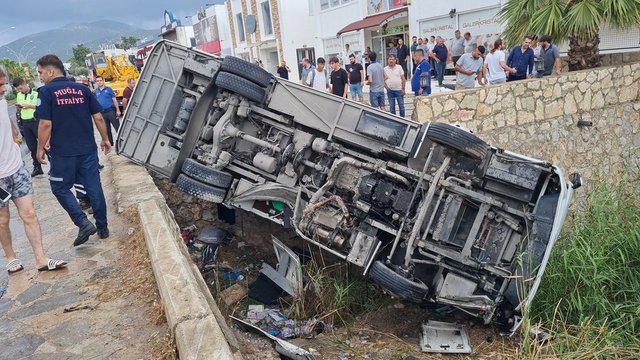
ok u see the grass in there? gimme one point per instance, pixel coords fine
(335, 293)
(589, 300)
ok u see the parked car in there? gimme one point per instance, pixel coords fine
(430, 211)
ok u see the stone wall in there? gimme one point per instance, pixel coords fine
(614, 59)
(539, 118)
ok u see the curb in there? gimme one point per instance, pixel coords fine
(195, 321)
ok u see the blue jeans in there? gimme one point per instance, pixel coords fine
(83, 169)
(393, 96)
(376, 98)
(356, 91)
(440, 67)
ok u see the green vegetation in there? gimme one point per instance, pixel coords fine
(128, 42)
(79, 53)
(336, 293)
(577, 21)
(589, 300)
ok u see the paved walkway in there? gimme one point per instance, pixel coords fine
(33, 321)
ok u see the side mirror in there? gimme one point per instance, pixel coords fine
(576, 180)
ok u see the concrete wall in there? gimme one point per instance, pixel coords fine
(539, 118)
(298, 30)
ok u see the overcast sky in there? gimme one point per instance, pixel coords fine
(33, 16)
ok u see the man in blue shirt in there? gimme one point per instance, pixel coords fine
(66, 110)
(439, 55)
(521, 58)
(422, 67)
(110, 109)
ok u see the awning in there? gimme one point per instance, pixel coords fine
(371, 21)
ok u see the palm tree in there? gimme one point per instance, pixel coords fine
(578, 21)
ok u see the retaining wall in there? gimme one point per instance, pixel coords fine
(539, 118)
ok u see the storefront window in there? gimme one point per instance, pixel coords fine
(329, 4)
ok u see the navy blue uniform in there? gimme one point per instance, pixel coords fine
(74, 154)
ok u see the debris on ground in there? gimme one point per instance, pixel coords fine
(276, 323)
(77, 307)
(233, 294)
(445, 338)
(282, 347)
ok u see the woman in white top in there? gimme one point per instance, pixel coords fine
(496, 65)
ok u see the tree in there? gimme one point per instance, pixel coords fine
(80, 51)
(578, 21)
(128, 42)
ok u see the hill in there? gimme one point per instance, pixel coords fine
(60, 41)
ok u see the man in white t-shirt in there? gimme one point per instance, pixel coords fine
(318, 78)
(495, 65)
(394, 83)
(16, 181)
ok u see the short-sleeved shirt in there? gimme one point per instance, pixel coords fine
(422, 67)
(355, 77)
(69, 106)
(105, 97)
(126, 93)
(457, 46)
(467, 62)
(283, 72)
(549, 56)
(27, 99)
(468, 45)
(414, 47)
(496, 72)
(376, 72)
(392, 51)
(441, 52)
(318, 80)
(306, 71)
(394, 77)
(339, 81)
(10, 159)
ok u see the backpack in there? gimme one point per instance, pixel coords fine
(313, 76)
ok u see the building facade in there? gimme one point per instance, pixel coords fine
(211, 30)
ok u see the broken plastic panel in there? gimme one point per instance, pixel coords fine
(445, 338)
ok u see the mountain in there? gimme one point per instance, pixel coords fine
(61, 41)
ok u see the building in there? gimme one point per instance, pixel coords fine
(257, 28)
(211, 30)
(174, 30)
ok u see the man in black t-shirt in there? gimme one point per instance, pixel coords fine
(339, 78)
(356, 78)
(283, 70)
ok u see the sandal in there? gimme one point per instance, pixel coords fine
(14, 266)
(53, 265)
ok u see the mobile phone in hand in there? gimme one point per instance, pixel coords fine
(4, 195)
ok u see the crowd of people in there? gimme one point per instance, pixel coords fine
(472, 63)
(57, 123)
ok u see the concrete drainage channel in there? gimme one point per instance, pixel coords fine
(194, 319)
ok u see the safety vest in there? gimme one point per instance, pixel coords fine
(27, 99)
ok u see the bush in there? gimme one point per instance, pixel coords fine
(589, 299)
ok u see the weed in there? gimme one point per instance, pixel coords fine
(589, 299)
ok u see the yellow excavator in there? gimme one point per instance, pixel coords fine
(114, 67)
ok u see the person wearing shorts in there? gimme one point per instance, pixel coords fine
(15, 180)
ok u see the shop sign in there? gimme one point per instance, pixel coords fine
(444, 26)
(394, 29)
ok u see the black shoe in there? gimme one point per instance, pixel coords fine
(103, 233)
(86, 229)
(37, 170)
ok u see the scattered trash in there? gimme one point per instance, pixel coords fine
(77, 307)
(446, 338)
(130, 231)
(285, 278)
(188, 234)
(241, 244)
(282, 347)
(539, 335)
(232, 275)
(233, 294)
(274, 322)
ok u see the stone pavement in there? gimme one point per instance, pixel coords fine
(33, 321)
